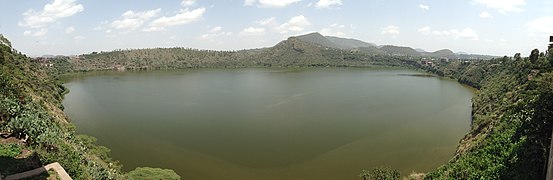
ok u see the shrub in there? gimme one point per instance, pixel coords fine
(10, 150)
(152, 173)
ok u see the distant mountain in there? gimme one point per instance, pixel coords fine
(369, 48)
(474, 56)
(372, 50)
(318, 39)
(347, 43)
(399, 51)
(333, 42)
(420, 50)
(443, 53)
(311, 49)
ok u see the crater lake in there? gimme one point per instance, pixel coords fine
(321, 123)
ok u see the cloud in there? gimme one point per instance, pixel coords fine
(185, 16)
(424, 7)
(252, 31)
(542, 25)
(424, 30)
(467, 33)
(295, 24)
(485, 14)
(270, 3)
(215, 29)
(267, 22)
(390, 30)
(503, 6)
(215, 32)
(131, 20)
(249, 2)
(50, 13)
(39, 33)
(328, 3)
(186, 3)
(69, 30)
(78, 39)
(333, 30)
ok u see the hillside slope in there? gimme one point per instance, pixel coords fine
(347, 43)
(318, 39)
(34, 129)
(512, 119)
(31, 110)
(292, 52)
(443, 53)
(399, 51)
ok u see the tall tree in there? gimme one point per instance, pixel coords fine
(517, 57)
(534, 56)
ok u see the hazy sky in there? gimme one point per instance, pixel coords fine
(496, 27)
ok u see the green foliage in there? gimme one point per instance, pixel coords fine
(534, 55)
(292, 52)
(152, 173)
(512, 116)
(89, 143)
(30, 109)
(380, 173)
(400, 51)
(549, 56)
(10, 150)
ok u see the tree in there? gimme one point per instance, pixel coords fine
(550, 56)
(534, 56)
(380, 173)
(364, 174)
(517, 57)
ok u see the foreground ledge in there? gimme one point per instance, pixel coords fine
(55, 166)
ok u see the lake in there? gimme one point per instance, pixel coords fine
(272, 123)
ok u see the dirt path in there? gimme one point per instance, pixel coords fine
(56, 166)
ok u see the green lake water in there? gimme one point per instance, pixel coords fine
(272, 123)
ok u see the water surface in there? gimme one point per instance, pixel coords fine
(272, 123)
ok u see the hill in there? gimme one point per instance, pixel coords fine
(31, 110)
(512, 118)
(34, 130)
(443, 53)
(306, 50)
(318, 39)
(333, 42)
(369, 48)
(293, 52)
(399, 51)
(347, 43)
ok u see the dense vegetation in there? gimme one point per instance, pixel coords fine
(31, 110)
(512, 118)
(509, 138)
(153, 173)
(31, 115)
(380, 173)
(289, 53)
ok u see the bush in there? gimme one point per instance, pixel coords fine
(380, 173)
(152, 173)
(10, 150)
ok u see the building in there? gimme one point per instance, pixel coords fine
(551, 42)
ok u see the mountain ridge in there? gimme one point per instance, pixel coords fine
(355, 44)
